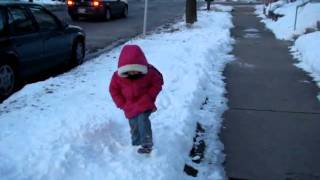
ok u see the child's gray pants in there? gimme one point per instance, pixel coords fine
(141, 133)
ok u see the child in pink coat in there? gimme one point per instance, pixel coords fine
(134, 88)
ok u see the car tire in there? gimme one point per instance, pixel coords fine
(8, 79)
(125, 12)
(78, 53)
(107, 14)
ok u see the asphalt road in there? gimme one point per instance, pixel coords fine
(101, 34)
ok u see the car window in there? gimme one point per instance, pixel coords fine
(19, 22)
(45, 20)
(1, 23)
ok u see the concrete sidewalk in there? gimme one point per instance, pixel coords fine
(272, 129)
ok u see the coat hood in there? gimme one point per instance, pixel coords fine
(132, 58)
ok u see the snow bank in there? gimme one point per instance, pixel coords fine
(306, 50)
(308, 16)
(68, 128)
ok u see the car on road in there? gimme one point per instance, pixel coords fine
(33, 40)
(105, 9)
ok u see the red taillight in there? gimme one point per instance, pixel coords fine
(96, 3)
(70, 3)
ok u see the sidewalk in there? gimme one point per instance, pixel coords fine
(272, 127)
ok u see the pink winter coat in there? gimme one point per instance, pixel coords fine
(138, 95)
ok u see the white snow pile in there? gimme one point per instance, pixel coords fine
(68, 128)
(306, 50)
(283, 28)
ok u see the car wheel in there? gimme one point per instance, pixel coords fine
(125, 12)
(78, 52)
(7, 79)
(107, 15)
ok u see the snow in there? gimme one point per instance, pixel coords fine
(306, 50)
(275, 5)
(67, 127)
(251, 30)
(251, 33)
(223, 7)
(283, 28)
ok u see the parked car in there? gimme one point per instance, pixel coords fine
(33, 40)
(97, 8)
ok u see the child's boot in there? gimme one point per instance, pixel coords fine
(144, 150)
